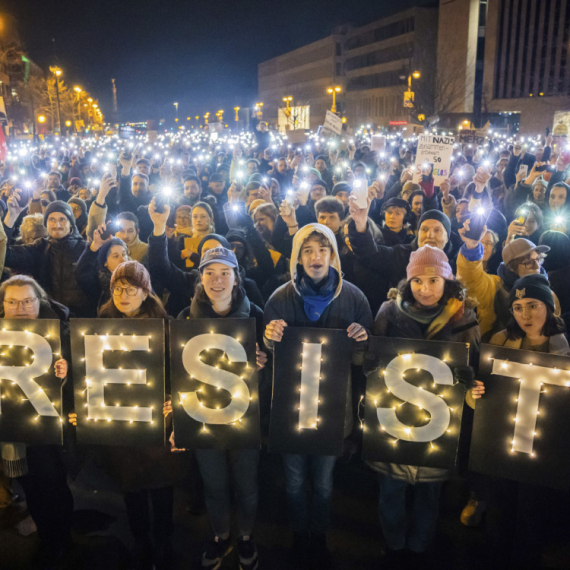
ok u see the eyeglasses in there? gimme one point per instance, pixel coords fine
(532, 307)
(27, 303)
(529, 263)
(131, 291)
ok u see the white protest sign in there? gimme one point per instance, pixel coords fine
(333, 123)
(437, 151)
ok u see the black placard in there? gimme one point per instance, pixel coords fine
(37, 350)
(326, 436)
(112, 340)
(223, 385)
(386, 360)
(492, 450)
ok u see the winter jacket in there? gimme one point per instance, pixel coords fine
(348, 306)
(557, 344)
(457, 323)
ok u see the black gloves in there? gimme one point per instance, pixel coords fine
(464, 375)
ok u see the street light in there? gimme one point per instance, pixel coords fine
(176, 107)
(258, 110)
(333, 91)
(57, 72)
(42, 119)
(236, 109)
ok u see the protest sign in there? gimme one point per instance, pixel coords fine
(413, 404)
(118, 371)
(521, 427)
(310, 385)
(435, 150)
(214, 383)
(30, 406)
(333, 123)
(471, 136)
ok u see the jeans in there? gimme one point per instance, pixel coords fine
(215, 468)
(138, 513)
(320, 468)
(393, 516)
(48, 496)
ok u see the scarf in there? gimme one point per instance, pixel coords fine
(316, 297)
(437, 317)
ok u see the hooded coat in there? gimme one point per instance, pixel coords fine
(348, 305)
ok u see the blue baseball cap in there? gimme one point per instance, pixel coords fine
(219, 255)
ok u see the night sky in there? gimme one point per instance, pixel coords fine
(202, 53)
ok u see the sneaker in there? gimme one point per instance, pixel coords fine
(215, 552)
(247, 554)
(473, 512)
(319, 554)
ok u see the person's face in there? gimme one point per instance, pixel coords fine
(557, 198)
(21, 302)
(225, 174)
(359, 172)
(317, 193)
(128, 298)
(200, 220)
(143, 168)
(531, 225)
(539, 193)
(53, 181)
(115, 256)
(394, 218)
(406, 195)
(530, 264)
(192, 189)
(216, 187)
(183, 219)
(281, 166)
(530, 315)
(210, 244)
(264, 224)
(320, 165)
(331, 220)
(77, 211)
(432, 233)
(252, 195)
(427, 289)
(343, 197)
(417, 205)
(239, 249)
(58, 225)
(74, 189)
(139, 186)
(539, 153)
(251, 168)
(461, 212)
(315, 259)
(219, 281)
(262, 127)
(488, 244)
(274, 188)
(127, 232)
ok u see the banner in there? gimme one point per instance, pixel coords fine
(413, 405)
(471, 136)
(333, 123)
(311, 368)
(521, 429)
(214, 383)
(435, 150)
(30, 404)
(118, 372)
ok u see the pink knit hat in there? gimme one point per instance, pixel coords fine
(428, 260)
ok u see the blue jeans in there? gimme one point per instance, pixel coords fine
(393, 516)
(215, 468)
(320, 470)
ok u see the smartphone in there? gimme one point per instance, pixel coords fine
(108, 232)
(523, 168)
(360, 190)
(162, 199)
(477, 221)
(234, 214)
(303, 192)
(287, 210)
(522, 217)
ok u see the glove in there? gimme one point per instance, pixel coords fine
(464, 375)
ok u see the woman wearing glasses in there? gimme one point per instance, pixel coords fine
(145, 474)
(520, 257)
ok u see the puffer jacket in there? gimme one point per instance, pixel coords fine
(457, 323)
(52, 263)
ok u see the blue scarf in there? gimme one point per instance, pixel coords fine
(316, 297)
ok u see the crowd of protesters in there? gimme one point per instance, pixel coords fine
(193, 226)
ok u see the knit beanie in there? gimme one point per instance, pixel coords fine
(534, 286)
(134, 273)
(61, 207)
(220, 239)
(410, 186)
(428, 260)
(75, 181)
(104, 250)
(341, 187)
(315, 172)
(440, 217)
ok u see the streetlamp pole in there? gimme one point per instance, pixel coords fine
(333, 91)
(57, 72)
